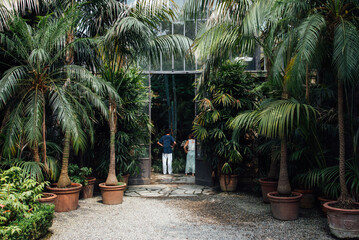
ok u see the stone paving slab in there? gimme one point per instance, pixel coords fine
(166, 190)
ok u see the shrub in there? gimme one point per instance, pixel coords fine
(21, 216)
(79, 175)
(33, 227)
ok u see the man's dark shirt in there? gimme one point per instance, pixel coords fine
(167, 141)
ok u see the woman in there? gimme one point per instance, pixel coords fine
(189, 148)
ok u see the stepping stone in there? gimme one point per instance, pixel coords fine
(132, 194)
(150, 194)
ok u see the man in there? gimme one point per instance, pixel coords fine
(167, 142)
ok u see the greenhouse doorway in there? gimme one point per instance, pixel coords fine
(173, 107)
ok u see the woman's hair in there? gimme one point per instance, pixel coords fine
(190, 136)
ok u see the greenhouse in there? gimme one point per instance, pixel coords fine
(179, 119)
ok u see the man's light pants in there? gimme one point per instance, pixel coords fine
(167, 157)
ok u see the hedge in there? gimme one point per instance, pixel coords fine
(34, 227)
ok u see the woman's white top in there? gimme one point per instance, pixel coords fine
(191, 145)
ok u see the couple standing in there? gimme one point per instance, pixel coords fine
(168, 142)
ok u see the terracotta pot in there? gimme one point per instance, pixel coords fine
(323, 200)
(67, 198)
(87, 190)
(343, 223)
(285, 208)
(308, 199)
(267, 186)
(112, 194)
(47, 198)
(228, 183)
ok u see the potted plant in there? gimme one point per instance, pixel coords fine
(226, 92)
(228, 179)
(81, 175)
(275, 119)
(343, 214)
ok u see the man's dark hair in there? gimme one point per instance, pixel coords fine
(168, 131)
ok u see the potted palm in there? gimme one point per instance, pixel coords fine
(279, 119)
(46, 83)
(221, 97)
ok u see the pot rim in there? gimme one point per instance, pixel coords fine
(298, 195)
(342, 210)
(75, 187)
(103, 186)
(91, 180)
(321, 198)
(48, 195)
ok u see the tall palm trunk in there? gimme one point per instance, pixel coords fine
(64, 179)
(44, 133)
(111, 178)
(344, 196)
(307, 84)
(283, 181)
(36, 152)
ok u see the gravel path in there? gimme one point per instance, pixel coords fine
(223, 216)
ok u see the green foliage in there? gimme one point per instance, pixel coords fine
(21, 216)
(133, 125)
(33, 227)
(79, 175)
(330, 185)
(229, 90)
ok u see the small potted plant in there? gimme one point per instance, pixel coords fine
(228, 179)
(81, 175)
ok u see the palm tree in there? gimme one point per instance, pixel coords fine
(236, 27)
(133, 37)
(328, 36)
(11, 8)
(39, 79)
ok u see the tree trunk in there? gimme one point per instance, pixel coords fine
(44, 134)
(307, 84)
(64, 179)
(344, 198)
(111, 178)
(283, 181)
(36, 152)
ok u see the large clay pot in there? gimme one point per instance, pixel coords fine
(47, 198)
(323, 200)
(67, 198)
(343, 223)
(285, 208)
(308, 199)
(112, 194)
(87, 190)
(228, 183)
(267, 186)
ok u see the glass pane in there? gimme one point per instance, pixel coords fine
(179, 3)
(178, 28)
(190, 64)
(166, 63)
(190, 29)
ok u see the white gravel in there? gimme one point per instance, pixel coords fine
(180, 218)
